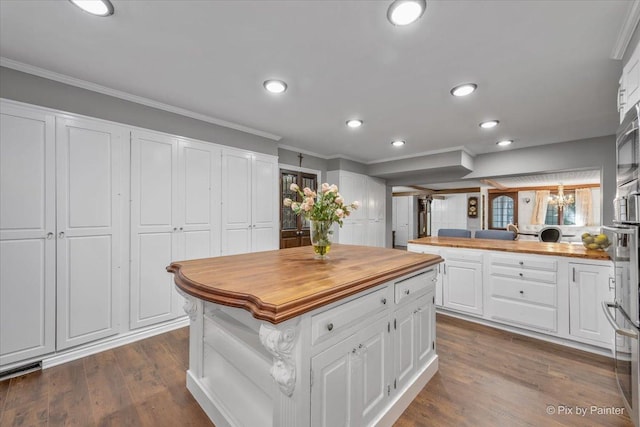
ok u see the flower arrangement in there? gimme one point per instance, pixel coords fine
(327, 205)
(323, 209)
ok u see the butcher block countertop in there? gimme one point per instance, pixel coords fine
(528, 247)
(278, 285)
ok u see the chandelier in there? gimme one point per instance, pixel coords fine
(561, 199)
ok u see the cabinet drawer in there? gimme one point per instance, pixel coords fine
(524, 274)
(525, 262)
(334, 320)
(529, 315)
(523, 290)
(407, 288)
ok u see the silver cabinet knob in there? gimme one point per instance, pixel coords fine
(330, 326)
(61, 235)
(181, 228)
(521, 292)
(175, 228)
(521, 275)
(406, 292)
(49, 235)
(384, 301)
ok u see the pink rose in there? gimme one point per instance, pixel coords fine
(287, 202)
(307, 191)
(306, 207)
(333, 188)
(295, 206)
(355, 205)
(325, 187)
(339, 200)
(339, 213)
(309, 201)
(294, 187)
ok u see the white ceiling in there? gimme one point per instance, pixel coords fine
(543, 67)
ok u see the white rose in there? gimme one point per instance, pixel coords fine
(339, 213)
(324, 187)
(287, 202)
(294, 187)
(339, 200)
(355, 205)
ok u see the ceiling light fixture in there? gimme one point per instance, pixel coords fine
(275, 86)
(354, 123)
(398, 143)
(404, 12)
(95, 7)
(464, 89)
(505, 142)
(489, 124)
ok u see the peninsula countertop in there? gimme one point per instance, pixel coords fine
(282, 284)
(519, 246)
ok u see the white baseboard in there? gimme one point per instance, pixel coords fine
(113, 342)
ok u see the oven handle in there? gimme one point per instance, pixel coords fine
(612, 321)
(618, 230)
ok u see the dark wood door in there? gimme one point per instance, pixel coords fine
(294, 229)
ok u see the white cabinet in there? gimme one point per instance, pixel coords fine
(523, 290)
(462, 281)
(174, 215)
(250, 202)
(366, 225)
(27, 234)
(589, 285)
(433, 250)
(61, 232)
(401, 212)
(629, 88)
(89, 168)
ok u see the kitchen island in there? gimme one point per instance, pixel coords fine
(551, 291)
(279, 338)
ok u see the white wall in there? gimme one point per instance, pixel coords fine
(449, 213)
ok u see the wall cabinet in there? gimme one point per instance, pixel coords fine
(250, 203)
(174, 203)
(587, 290)
(60, 232)
(462, 281)
(629, 85)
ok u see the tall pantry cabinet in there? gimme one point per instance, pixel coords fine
(60, 231)
(175, 195)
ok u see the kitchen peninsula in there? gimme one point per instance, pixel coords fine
(279, 338)
(551, 291)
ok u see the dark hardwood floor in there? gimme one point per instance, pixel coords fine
(487, 377)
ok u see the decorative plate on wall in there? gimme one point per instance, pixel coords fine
(472, 207)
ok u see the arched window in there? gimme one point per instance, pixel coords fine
(503, 210)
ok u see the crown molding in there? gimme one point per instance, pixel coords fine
(626, 31)
(299, 150)
(62, 78)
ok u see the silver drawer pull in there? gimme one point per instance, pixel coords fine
(61, 235)
(521, 275)
(383, 301)
(330, 326)
(521, 292)
(406, 292)
(521, 263)
(49, 235)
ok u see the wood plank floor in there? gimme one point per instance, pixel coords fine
(487, 377)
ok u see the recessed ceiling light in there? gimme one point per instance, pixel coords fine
(404, 12)
(489, 124)
(464, 89)
(397, 143)
(95, 7)
(354, 123)
(275, 86)
(505, 142)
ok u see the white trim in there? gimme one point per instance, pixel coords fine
(110, 343)
(41, 72)
(311, 153)
(626, 31)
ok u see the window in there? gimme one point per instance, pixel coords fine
(503, 210)
(561, 214)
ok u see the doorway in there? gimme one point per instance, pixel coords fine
(294, 229)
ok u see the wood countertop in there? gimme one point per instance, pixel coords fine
(282, 284)
(519, 246)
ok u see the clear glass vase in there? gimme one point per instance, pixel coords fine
(321, 238)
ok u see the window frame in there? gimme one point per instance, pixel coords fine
(495, 194)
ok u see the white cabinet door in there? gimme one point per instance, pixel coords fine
(332, 386)
(588, 287)
(27, 234)
(199, 200)
(462, 285)
(404, 325)
(631, 79)
(375, 365)
(265, 204)
(425, 327)
(401, 220)
(236, 202)
(353, 187)
(154, 229)
(89, 248)
(376, 198)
